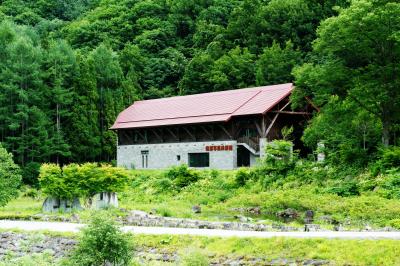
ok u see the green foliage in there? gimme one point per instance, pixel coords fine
(182, 176)
(102, 243)
(388, 158)
(242, 176)
(194, 258)
(275, 64)
(349, 66)
(54, 182)
(345, 188)
(278, 160)
(84, 180)
(10, 177)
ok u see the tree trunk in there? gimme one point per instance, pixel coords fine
(386, 133)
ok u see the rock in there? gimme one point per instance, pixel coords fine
(243, 219)
(329, 219)
(288, 215)
(308, 216)
(196, 209)
(254, 210)
(312, 227)
(75, 218)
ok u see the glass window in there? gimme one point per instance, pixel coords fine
(199, 159)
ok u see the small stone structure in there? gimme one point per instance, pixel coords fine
(321, 152)
(52, 204)
(104, 200)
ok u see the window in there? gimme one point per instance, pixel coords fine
(145, 159)
(178, 157)
(199, 159)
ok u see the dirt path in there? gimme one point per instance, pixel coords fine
(73, 227)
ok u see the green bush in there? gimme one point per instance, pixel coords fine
(388, 158)
(279, 159)
(10, 177)
(389, 185)
(182, 175)
(163, 184)
(345, 188)
(194, 258)
(53, 183)
(242, 176)
(85, 180)
(102, 243)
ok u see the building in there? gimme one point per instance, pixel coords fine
(221, 130)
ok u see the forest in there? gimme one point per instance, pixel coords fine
(67, 68)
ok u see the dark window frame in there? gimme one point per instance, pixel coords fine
(199, 159)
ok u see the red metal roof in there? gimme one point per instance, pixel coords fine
(202, 108)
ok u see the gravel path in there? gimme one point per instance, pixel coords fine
(73, 227)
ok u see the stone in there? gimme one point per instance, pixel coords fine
(312, 227)
(329, 219)
(104, 200)
(75, 217)
(309, 217)
(52, 204)
(288, 215)
(196, 209)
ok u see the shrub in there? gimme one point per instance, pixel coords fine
(182, 176)
(102, 243)
(242, 176)
(389, 185)
(388, 158)
(54, 183)
(10, 177)
(278, 161)
(162, 184)
(103, 178)
(85, 180)
(345, 188)
(194, 258)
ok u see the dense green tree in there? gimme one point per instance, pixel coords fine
(357, 56)
(10, 177)
(275, 64)
(233, 71)
(83, 132)
(61, 67)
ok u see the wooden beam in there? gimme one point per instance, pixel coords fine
(291, 112)
(312, 104)
(172, 133)
(157, 135)
(142, 136)
(274, 119)
(190, 133)
(259, 129)
(226, 131)
(271, 125)
(207, 132)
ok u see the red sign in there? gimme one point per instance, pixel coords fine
(219, 148)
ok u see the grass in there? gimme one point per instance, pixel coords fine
(21, 208)
(336, 251)
(221, 199)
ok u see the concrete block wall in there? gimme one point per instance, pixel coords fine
(165, 155)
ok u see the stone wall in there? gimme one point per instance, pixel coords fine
(166, 155)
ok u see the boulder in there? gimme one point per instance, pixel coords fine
(288, 215)
(196, 209)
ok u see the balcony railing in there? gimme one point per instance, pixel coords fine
(253, 142)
